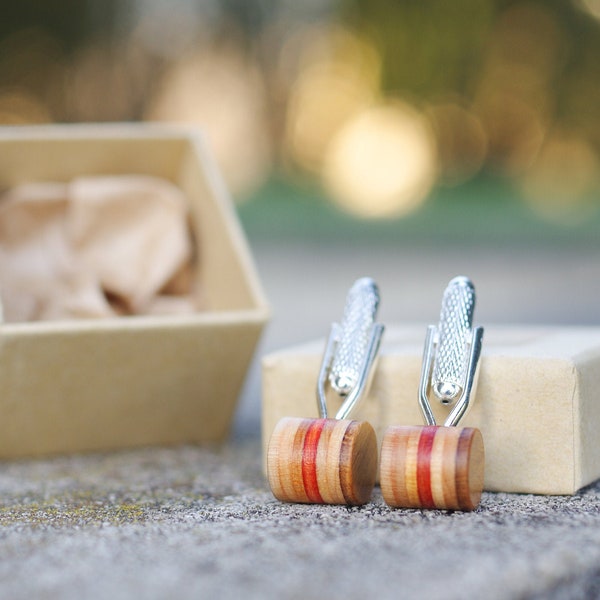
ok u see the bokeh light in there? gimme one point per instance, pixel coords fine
(382, 162)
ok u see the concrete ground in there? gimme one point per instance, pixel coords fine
(201, 523)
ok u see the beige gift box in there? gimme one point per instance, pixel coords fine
(101, 384)
(536, 401)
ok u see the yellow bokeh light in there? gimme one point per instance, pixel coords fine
(382, 162)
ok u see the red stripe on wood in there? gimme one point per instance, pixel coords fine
(309, 461)
(424, 466)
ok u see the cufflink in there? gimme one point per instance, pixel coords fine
(333, 460)
(433, 466)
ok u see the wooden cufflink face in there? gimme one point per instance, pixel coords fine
(322, 461)
(432, 467)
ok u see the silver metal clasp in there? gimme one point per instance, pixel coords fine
(451, 354)
(351, 349)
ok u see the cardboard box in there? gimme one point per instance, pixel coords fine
(536, 401)
(103, 384)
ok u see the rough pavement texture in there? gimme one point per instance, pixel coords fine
(201, 523)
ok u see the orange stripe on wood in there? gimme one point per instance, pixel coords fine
(295, 461)
(309, 460)
(424, 466)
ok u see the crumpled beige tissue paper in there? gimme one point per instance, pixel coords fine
(95, 247)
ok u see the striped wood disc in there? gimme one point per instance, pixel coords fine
(432, 467)
(322, 461)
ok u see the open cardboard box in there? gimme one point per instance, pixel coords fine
(87, 385)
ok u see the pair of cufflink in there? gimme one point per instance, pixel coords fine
(335, 460)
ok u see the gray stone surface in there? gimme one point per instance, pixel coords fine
(201, 523)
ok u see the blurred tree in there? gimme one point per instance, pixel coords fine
(428, 47)
(431, 48)
(527, 71)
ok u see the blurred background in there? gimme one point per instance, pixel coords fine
(408, 140)
(380, 103)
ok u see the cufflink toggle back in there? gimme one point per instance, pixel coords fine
(325, 460)
(434, 466)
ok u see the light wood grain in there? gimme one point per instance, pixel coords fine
(432, 467)
(322, 461)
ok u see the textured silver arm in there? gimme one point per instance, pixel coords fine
(451, 354)
(454, 336)
(355, 333)
(351, 350)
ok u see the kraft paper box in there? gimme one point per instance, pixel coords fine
(130, 381)
(537, 401)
